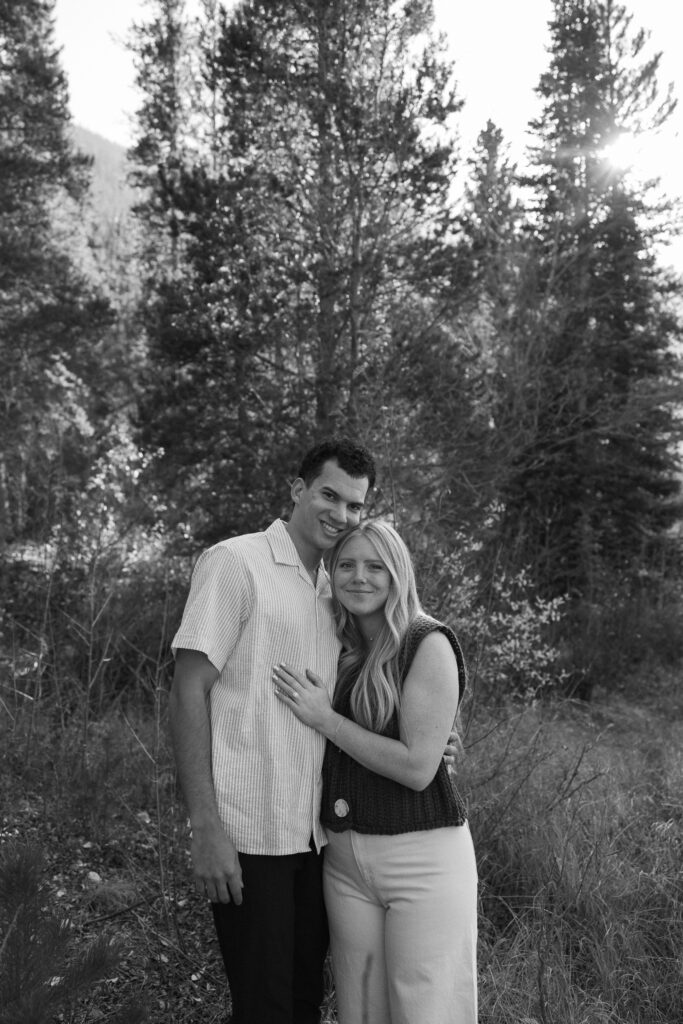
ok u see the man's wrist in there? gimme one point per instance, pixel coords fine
(205, 821)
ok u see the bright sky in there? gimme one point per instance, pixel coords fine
(498, 47)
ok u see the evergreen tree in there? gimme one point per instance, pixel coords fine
(163, 76)
(502, 297)
(43, 973)
(593, 491)
(461, 381)
(491, 218)
(49, 317)
(313, 218)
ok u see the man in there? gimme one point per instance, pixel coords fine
(249, 771)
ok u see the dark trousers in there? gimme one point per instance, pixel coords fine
(274, 944)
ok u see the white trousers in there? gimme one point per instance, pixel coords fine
(403, 926)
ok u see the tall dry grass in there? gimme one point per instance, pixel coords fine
(576, 810)
(577, 816)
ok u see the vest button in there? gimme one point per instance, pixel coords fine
(341, 808)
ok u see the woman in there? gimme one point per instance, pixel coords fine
(399, 875)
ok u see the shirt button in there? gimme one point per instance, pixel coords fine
(341, 808)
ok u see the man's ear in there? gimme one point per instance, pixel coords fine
(296, 489)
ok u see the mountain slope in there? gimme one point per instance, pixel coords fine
(112, 196)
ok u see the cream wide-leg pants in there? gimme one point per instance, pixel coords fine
(403, 926)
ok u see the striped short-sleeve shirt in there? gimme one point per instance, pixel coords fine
(251, 605)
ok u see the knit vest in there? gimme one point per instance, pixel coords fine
(356, 798)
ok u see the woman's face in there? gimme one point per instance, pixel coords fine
(361, 580)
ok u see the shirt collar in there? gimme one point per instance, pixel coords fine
(281, 544)
(285, 552)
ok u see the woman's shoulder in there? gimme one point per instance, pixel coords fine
(422, 627)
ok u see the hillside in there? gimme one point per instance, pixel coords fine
(112, 196)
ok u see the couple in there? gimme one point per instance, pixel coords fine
(305, 718)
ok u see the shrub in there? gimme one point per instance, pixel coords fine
(507, 630)
(42, 972)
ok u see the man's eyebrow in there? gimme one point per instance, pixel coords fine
(336, 494)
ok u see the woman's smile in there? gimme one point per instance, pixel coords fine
(361, 580)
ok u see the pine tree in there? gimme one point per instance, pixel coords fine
(593, 493)
(314, 216)
(491, 216)
(502, 300)
(461, 381)
(49, 317)
(42, 971)
(163, 76)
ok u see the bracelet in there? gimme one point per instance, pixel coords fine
(333, 737)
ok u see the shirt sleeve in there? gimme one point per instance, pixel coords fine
(217, 606)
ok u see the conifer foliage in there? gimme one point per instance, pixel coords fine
(306, 211)
(593, 488)
(50, 318)
(41, 970)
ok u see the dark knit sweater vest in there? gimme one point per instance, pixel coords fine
(356, 798)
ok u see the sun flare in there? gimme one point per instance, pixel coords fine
(646, 156)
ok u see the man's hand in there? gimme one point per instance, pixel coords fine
(216, 865)
(452, 750)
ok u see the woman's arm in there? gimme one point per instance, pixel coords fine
(429, 704)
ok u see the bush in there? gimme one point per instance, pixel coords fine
(89, 634)
(635, 626)
(507, 631)
(42, 972)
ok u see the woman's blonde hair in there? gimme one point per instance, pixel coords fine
(376, 692)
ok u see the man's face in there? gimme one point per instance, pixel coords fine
(328, 507)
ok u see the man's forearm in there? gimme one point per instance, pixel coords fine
(215, 860)
(191, 739)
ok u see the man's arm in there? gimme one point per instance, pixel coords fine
(215, 861)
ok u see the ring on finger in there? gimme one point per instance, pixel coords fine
(295, 695)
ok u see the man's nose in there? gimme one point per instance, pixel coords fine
(340, 514)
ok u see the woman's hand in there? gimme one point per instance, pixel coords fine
(306, 696)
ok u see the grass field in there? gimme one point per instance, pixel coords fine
(577, 817)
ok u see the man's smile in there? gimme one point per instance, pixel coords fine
(329, 528)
